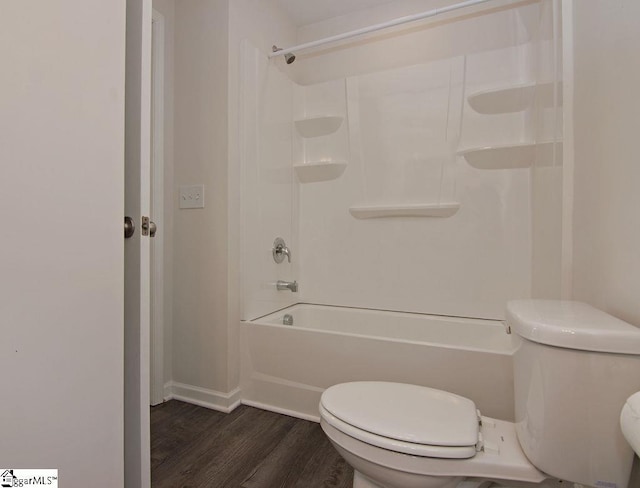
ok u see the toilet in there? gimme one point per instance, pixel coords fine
(574, 368)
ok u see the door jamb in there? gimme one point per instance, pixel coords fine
(157, 379)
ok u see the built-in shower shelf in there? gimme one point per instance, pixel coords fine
(318, 126)
(515, 98)
(513, 156)
(319, 171)
(408, 210)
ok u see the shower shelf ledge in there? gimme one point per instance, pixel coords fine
(319, 171)
(405, 210)
(512, 156)
(318, 126)
(514, 98)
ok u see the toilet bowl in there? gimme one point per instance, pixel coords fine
(574, 368)
(438, 450)
(630, 421)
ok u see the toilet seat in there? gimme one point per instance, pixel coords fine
(408, 419)
(422, 450)
(504, 461)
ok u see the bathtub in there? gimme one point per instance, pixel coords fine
(285, 368)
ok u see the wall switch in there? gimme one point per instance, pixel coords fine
(192, 196)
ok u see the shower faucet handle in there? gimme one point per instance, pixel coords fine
(280, 250)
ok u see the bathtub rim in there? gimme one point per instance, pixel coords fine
(486, 322)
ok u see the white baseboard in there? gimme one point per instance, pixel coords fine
(215, 400)
(226, 402)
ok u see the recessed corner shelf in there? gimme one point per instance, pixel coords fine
(319, 171)
(408, 210)
(514, 98)
(511, 156)
(318, 126)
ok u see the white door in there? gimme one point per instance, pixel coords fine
(137, 248)
(62, 97)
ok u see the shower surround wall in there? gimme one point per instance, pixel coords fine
(405, 128)
(268, 190)
(407, 120)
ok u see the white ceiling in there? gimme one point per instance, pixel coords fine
(303, 12)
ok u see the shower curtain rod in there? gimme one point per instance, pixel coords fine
(376, 27)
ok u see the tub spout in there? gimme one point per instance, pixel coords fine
(287, 285)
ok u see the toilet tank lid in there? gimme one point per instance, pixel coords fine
(573, 325)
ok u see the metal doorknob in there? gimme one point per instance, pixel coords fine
(129, 227)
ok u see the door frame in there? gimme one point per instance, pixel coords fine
(157, 379)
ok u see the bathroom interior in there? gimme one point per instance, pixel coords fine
(372, 206)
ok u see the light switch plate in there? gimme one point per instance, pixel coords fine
(192, 196)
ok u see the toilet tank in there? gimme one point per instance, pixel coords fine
(573, 371)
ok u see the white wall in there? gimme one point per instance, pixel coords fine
(547, 267)
(432, 39)
(62, 205)
(200, 157)
(606, 234)
(606, 120)
(406, 120)
(206, 254)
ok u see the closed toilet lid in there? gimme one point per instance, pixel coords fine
(407, 413)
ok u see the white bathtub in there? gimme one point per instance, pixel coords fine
(285, 368)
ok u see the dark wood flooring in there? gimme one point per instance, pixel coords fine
(196, 447)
